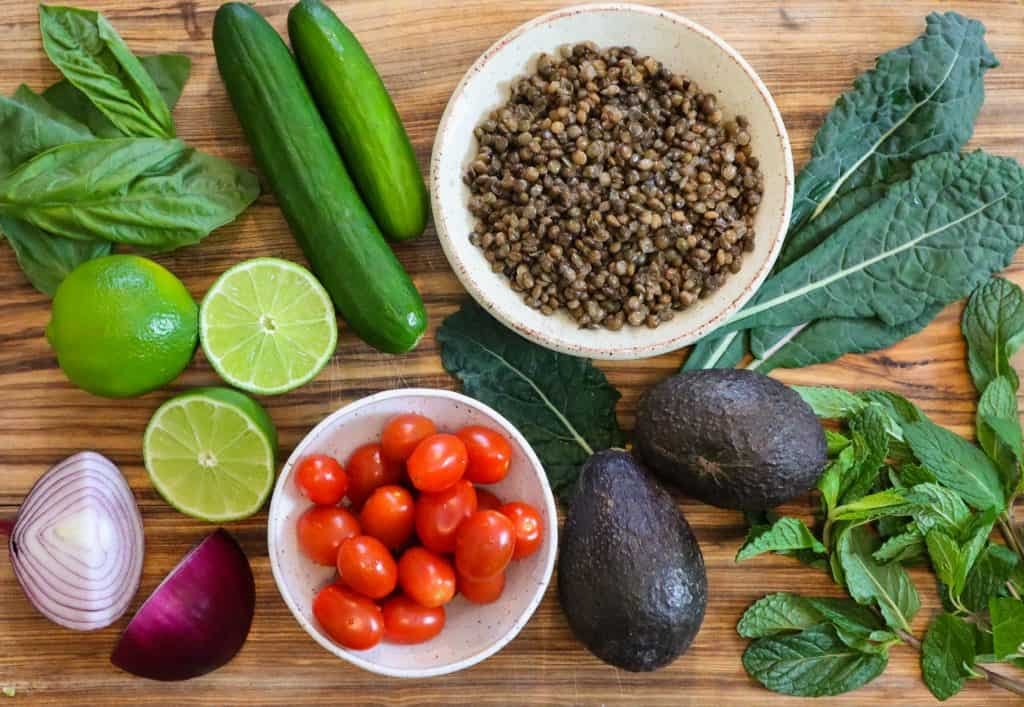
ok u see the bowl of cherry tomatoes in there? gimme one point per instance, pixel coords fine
(413, 533)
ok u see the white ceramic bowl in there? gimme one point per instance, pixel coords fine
(685, 48)
(472, 633)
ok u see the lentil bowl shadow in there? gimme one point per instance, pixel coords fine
(684, 48)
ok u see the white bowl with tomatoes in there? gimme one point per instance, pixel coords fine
(413, 533)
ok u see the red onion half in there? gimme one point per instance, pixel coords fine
(77, 544)
(197, 619)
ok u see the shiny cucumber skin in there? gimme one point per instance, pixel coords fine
(361, 116)
(291, 144)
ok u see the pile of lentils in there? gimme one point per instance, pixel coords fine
(612, 188)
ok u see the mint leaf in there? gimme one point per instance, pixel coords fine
(889, 586)
(1008, 432)
(856, 625)
(945, 556)
(563, 405)
(784, 534)
(957, 464)
(993, 325)
(937, 507)
(1007, 627)
(902, 547)
(915, 474)
(836, 442)
(883, 503)
(988, 577)
(777, 613)
(1003, 447)
(871, 447)
(812, 663)
(901, 411)
(831, 481)
(947, 653)
(830, 403)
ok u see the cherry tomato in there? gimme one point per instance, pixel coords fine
(407, 622)
(366, 565)
(369, 469)
(482, 591)
(321, 531)
(529, 528)
(487, 501)
(353, 621)
(484, 544)
(321, 479)
(388, 515)
(490, 454)
(437, 463)
(403, 433)
(438, 515)
(426, 577)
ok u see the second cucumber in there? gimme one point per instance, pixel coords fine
(370, 289)
(361, 116)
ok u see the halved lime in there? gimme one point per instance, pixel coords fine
(211, 454)
(268, 326)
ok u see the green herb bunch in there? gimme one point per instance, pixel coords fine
(890, 221)
(901, 490)
(93, 160)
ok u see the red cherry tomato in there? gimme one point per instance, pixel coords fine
(490, 454)
(403, 433)
(321, 479)
(484, 545)
(407, 622)
(484, 591)
(388, 515)
(321, 531)
(438, 515)
(426, 577)
(368, 469)
(529, 528)
(437, 463)
(366, 566)
(487, 501)
(353, 621)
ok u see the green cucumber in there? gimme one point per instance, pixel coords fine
(294, 150)
(359, 112)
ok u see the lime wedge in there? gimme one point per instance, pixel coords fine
(268, 326)
(210, 453)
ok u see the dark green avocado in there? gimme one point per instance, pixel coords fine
(631, 578)
(731, 438)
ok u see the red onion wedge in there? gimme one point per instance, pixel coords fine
(197, 619)
(77, 544)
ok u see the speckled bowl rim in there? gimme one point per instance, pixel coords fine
(328, 423)
(565, 344)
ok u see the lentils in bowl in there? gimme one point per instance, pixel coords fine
(612, 188)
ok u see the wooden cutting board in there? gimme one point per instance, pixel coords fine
(806, 52)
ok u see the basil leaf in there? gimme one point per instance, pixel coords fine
(889, 586)
(883, 262)
(827, 339)
(998, 408)
(1007, 627)
(563, 405)
(830, 403)
(871, 447)
(47, 259)
(29, 128)
(784, 534)
(957, 464)
(169, 72)
(947, 654)
(993, 325)
(777, 613)
(920, 99)
(903, 547)
(988, 577)
(94, 58)
(151, 193)
(812, 663)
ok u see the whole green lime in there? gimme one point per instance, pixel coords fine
(122, 326)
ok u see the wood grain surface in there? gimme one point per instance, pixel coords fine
(806, 52)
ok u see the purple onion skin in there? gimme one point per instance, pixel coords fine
(197, 619)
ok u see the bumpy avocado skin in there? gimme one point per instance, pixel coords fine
(731, 438)
(631, 577)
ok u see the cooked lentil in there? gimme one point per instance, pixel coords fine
(611, 188)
